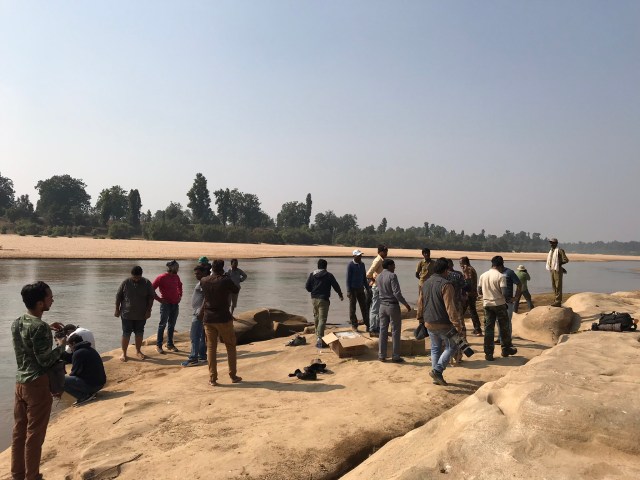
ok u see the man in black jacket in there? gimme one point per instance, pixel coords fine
(87, 375)
(319, 284)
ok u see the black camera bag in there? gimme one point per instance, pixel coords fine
(621, 321)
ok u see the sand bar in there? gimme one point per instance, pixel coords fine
(17, 247)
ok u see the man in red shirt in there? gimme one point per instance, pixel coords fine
(170, 288)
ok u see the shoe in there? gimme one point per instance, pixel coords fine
(84, 400)
(509, 351)
(172, 348)
(555, 304)
(202, 360)
(478, 333)
(189, 363)
(498, 341)
(160, 351)
(398, 360)
(320, 344)
(438, 379)
(354, 328)
(383, 360)
(236, 379)
(489, 357)
(374, 333)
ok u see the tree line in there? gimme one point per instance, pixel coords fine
(64, 208)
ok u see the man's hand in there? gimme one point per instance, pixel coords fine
(418, 275)
(117, 313)
(341, 298)
(147, 315)
(57, 326)
(408, 307)
(349, 295)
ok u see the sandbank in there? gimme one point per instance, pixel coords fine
(28, 247)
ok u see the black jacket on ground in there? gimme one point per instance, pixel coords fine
(319, 284)
(87, 365)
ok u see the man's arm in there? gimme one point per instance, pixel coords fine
(418, 270)
(150, 298)
(232, 285)
(336, 287)
(119, 298)
(41, 341)
(349, 278)
(563, 257)
(395, 289)
(448, 293)
(155, 285)
(309, 285)
(243, 276)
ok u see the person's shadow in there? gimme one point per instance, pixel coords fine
(301, 386)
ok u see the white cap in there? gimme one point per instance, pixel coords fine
(356, 253)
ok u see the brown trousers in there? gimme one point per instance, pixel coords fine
(228, 336)
(31, 415)
(556, 283)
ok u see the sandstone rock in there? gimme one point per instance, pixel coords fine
(545, 324)
(266, 323)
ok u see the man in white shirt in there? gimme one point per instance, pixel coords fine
(492, 285)
(86, 335)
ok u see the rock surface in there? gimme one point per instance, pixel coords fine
(590, 305)
(545, 324)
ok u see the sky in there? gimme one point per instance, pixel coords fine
(496, 115)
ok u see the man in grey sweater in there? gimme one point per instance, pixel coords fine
(390, 300)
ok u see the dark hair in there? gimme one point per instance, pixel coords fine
(136, 271)
(218, 265)
(234, 260)
(450, 263)
(497, 261)
(75, 339)
(441, 266)
(387, 262)
(68, 328)
(382, 248)
(426, 250)
(202, 268)
(322, 264)
(34, 293)
(464, 260)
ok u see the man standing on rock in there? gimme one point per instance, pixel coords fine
(524, 277)
(492, 285)
(390, 300)
(196, 335)
(319, 284)
(32, 342)
(134, 300)
(424, 270)
(238, 276)
(555, 259)
(374, 270)
(356, 290)
(471, 279)
(170, 295)
(218, 321)
(440, 315)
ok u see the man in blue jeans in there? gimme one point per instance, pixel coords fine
(198, 343)
(170, 288)
(440, 316)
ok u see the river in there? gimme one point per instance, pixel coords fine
(84, 294)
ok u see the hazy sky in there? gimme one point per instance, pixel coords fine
(502, 115)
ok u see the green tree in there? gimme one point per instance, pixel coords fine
(200, 200)
(292, 215)
(383, 226)
(135, 205)
(112, 204)
(22, 208)
(223, 201)
(7, 194)
(308, 204)
(63, 200)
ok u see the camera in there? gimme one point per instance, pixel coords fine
(460, 342)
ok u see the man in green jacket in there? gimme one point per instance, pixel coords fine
(32, 342)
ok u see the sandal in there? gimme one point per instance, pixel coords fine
(213, 383)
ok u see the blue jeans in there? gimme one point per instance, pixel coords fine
(374, 314)
(440, 358)
(168, 318)
(198, 343)
(78, 387)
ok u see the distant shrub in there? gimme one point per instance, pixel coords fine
(210, 233)
(26, 227)
(3, 230)
(119, 230)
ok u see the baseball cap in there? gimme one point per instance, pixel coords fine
(356, 253)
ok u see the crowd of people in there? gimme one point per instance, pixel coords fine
(444, 295)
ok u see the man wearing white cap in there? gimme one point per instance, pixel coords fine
(555, 259)
(356, 285)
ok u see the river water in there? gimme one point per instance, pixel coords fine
(84, 294)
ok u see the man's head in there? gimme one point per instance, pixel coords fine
(426, 253)
(388, 264)
(234, 263)
(464, 261)
(441, 266)
(322, 264)
(69, 329)
(74, 340)
(383, 251)
(497, 262)
(357, 256)
(37, 296)
(136, 273)
(200, 271)
(172, 266)
(218, 266)
(203, 260)
(450, 264)
(553, 242)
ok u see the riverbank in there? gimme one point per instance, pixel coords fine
(158, 418)
(18, 247)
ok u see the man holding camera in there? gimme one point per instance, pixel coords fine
(440, 316)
